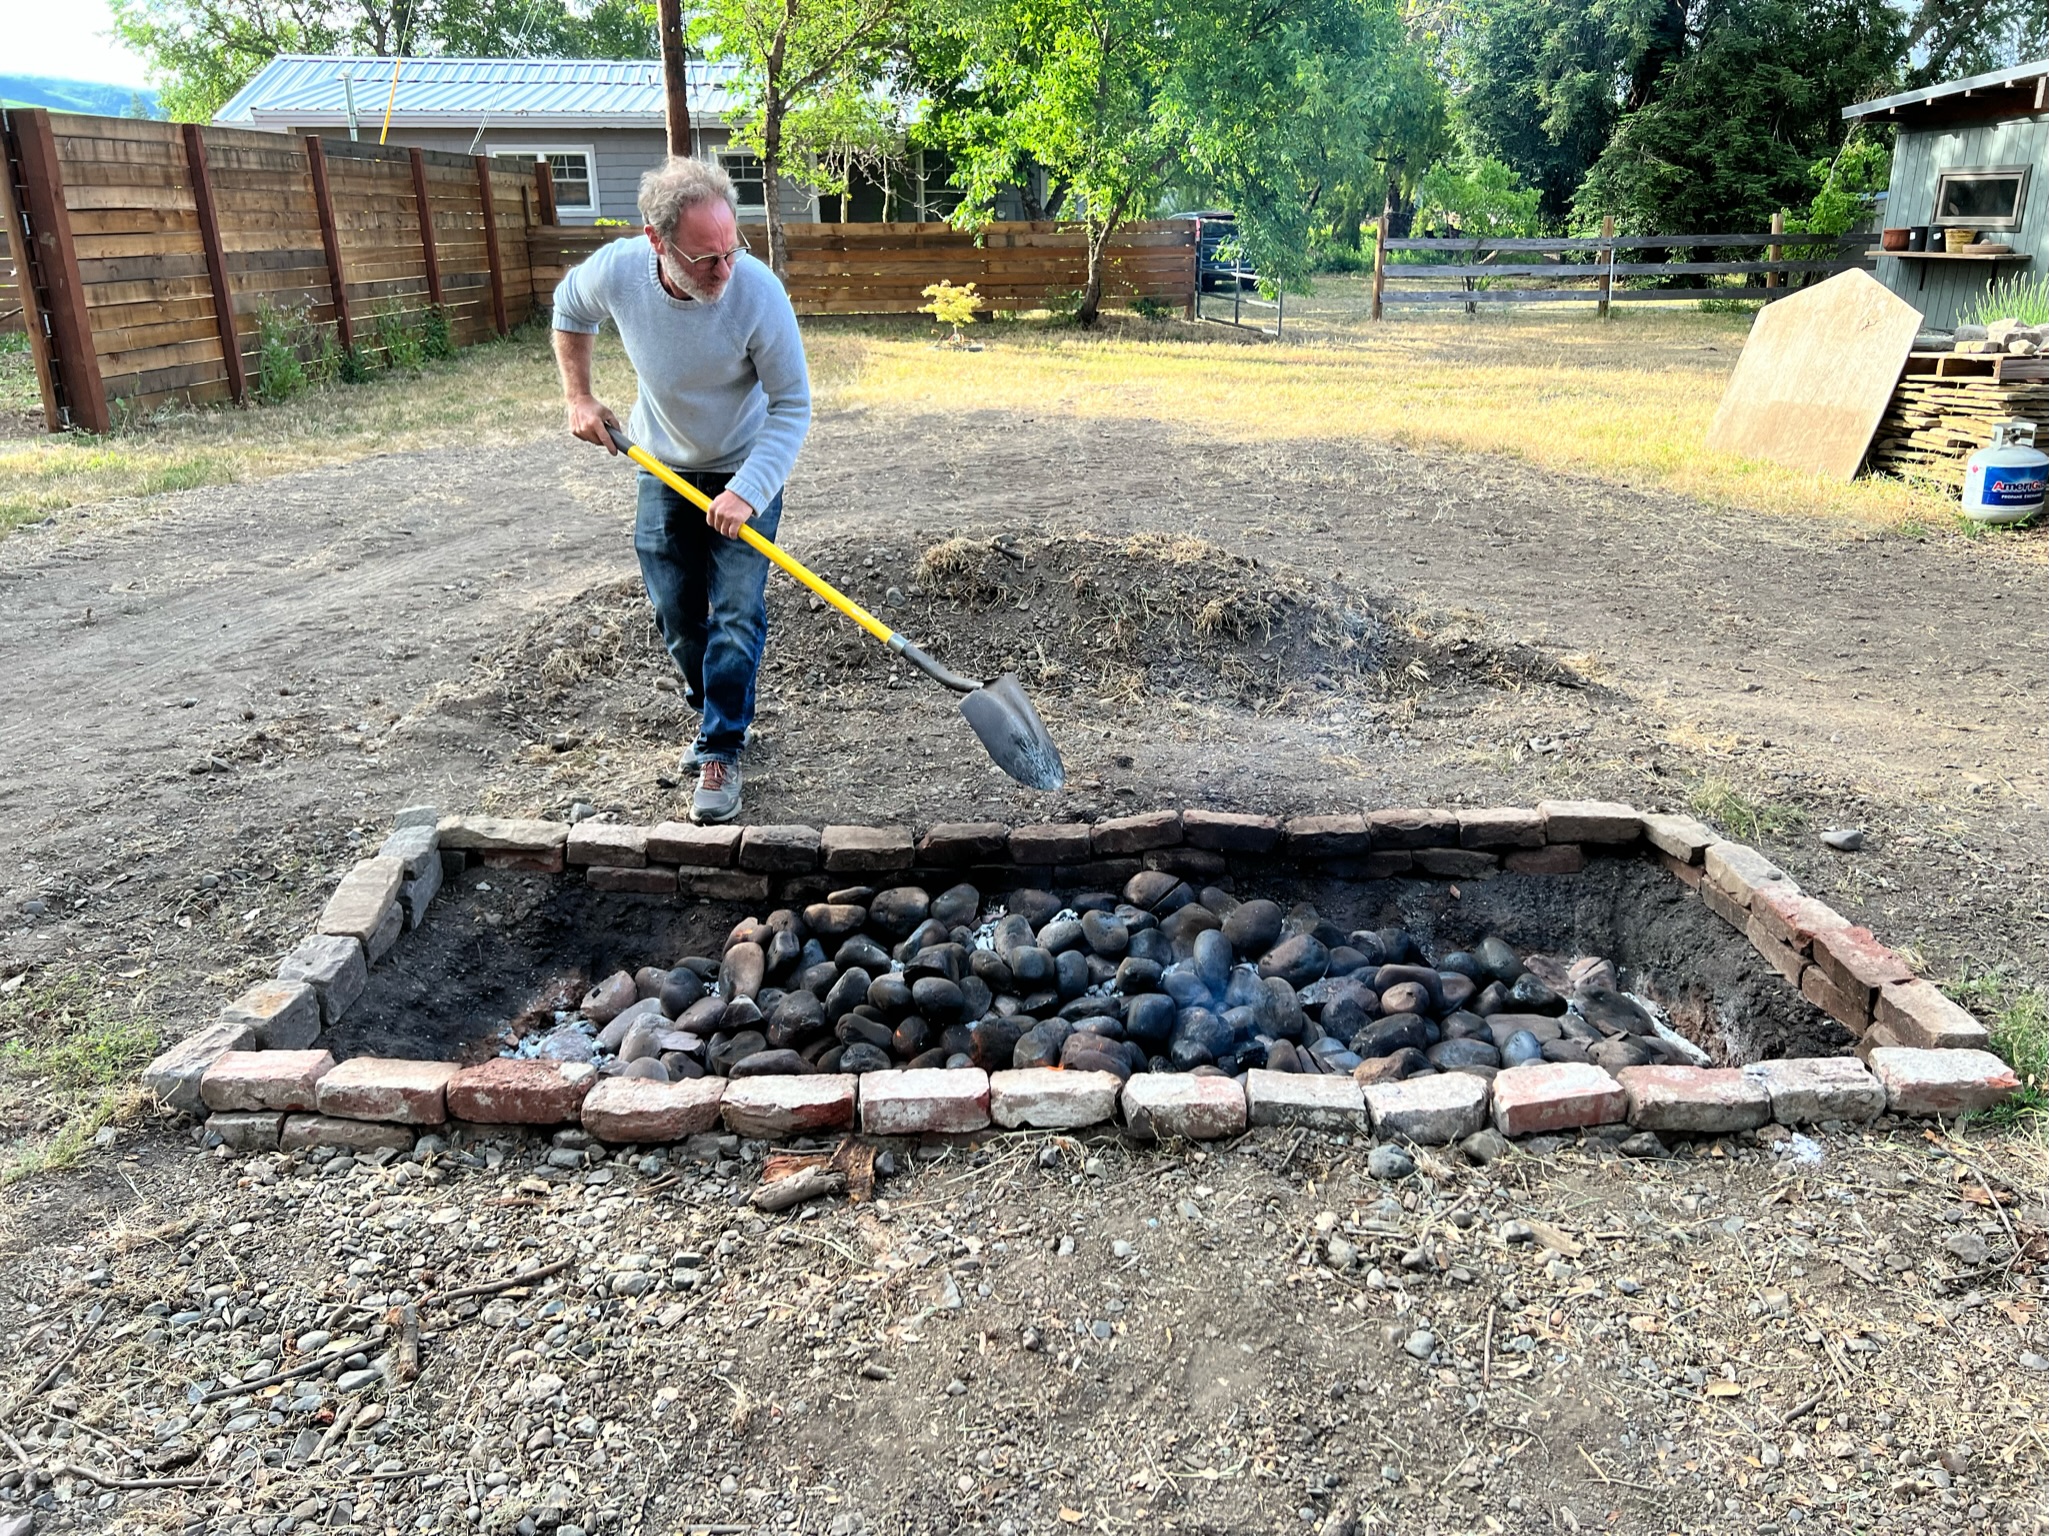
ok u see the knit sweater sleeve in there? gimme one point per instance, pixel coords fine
(579, 304)
(777, 350)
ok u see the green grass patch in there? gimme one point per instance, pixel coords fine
(2020, 1034)
(69, 1051)
(1719, 801)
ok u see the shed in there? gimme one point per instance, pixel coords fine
(1969, 155)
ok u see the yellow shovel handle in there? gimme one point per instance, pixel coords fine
(768, 547)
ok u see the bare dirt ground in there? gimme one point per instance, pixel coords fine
(212, 702)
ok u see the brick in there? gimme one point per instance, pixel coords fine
(866, 850)
(1135, 834)
(387, 935)
(1852, 1010)
(1407, 828)
(924, 1100)
(608, 843)
(545, 861)
(265, 1079)
(1504, 826)
(722, 884)
(1554, 859)
(1807, 1091)
(779, 850)
(629, 1109)
(1315, 1099)
(1918, 1013)
(768, 1108)
(1327, 837)
(1158, 1105)
(1589, 821)
(1231, 831)
(1924, 1083)
(1050, 1099)
(1433, 1110)
(681, 842)
(358, 907)
(247, 1130)
(964, 842)
(173, 1078)
(1678, 837)
(303, 1131)
(1700, 1101)
(1555, 1096)
(1456, 863)
(1731, 911)
(387, 1088)
(1193, 863)
(415, 847)
(1054, 842)
(654, 880)
(1792, 918)
(1736, 869)
(1855, 961)
(282, 1015)
(506, 1092)
(1782, 957)
(1877, 1038)
(501, 834)
(1688, 875)
(417, 894)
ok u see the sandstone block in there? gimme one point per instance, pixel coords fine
(507, 1092)
(1807, 1091)
(1699, 1101)
(1503, 826)
(1231, 831)
(652, 880)
(1158, 1105)
(849, 850)
(416, 847)
(1924, 1083)
(1552, 859)
(1555, 1096)
(634, 1109)
(387, 1088)
(388, 933)
(1432, 1111)
(1049, 1099)
(1409, 828)
(283, 1015)
(1731, 911)
(303, 1131)
(1736, 870)
(173, 1078)
(542, 861)
(1135, 834)
(416, 816)
(1457, 863)
(265, 1079)
(1918, 1013)
(502, 834)
(1056, 842)
(681, 842)
(923, 1100)
(722, 884)
(771, 1107)
(608, 843)
(1315, 1099)
(247, 1130)
(779, 850)
(1589, 821)
(1678, 837)
(360, 904)
(965, 842)
(417, 894)
(1327, 837)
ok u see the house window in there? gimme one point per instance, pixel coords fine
(1982, 197)
(748, 183)
(574, 170)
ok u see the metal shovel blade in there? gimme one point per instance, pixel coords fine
(1014, 734)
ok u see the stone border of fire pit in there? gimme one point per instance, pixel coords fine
(257, 1074)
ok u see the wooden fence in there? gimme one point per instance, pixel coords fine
(10, 292)
(1598, 269)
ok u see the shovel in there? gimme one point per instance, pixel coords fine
(998, 712)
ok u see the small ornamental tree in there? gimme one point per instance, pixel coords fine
(952, 304)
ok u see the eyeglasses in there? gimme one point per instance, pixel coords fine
(729, 257)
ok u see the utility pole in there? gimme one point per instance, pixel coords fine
(675, 90)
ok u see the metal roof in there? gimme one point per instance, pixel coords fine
(593, 93)
(2019, 74)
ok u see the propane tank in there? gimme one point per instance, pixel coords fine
(2005, 483)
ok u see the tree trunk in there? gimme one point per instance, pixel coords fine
(771, 166)
(1092, 293)
(675, 93)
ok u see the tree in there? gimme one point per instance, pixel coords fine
(1478, 197)
(851, 133)
(675, 75)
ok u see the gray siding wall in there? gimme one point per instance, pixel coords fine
(1942, 290)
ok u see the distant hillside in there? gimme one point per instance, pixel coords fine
(73, 95)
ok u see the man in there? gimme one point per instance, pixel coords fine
(726, 399)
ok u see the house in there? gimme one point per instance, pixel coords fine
(1965, 158)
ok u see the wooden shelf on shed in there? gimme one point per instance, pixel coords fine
(1989, 259)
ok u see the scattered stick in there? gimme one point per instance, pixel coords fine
(409, 1344)
(1800, 1409)
(493, 1287)
(130, 1484)
(271, 1380)
(1487, 1355)
(808, 1184)
(1602, 1473)
(45, 1381)
(335, 1431)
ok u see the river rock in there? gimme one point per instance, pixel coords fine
(741, 973)
(771, 1063)
(1297, 961)
(1105, 935)
(1529, 995)
(720, 1057)
(1497, 960)
(1253, 927)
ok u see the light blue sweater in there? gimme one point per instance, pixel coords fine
(723, 387)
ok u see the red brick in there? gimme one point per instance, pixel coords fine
(1555, 1096)
(1313, 1099)
(1792, 918)
(1678, 837)
(1735, 913)
(1135, 834)
(679, 842)
(1410, 828)
(1553, 859)
(924, 1101)
(1502, 826)
(865, 850)
(779, 850)
(1688, 875)
(1457, 863)
(630, 1109)
(1919, 1082)
(1819, 1088)
(265, 1079)
(1700, 1101)
(247, 1130)
(1327, 837)
(771, 1107)
(1589, 821)
(1918, 1013)
(1782, 957)
(1051, 1099)
(607, 843)
(1877, 1038)
(722, 884)
(1851, 1010)
(507, 1092)
(1057, 842)
(655, 880)
(283, 1015)
(1736, 870)
(550, 861)
(303, 1131)
(1855, 961)
(964, 842)
(1193, 863)
(173, 1078)
(1158, 1105)
(1231, 831)
(387, 1088)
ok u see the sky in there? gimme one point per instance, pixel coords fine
(69, 39)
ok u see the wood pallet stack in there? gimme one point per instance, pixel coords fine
(1944, 409)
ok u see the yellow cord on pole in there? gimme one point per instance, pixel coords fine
(767, 547)
(396, 66)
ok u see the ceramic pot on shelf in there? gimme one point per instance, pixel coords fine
(1893, 239)
(1955, 240)
(1917, 237)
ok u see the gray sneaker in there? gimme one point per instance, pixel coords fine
(693, 759)
(718, 793)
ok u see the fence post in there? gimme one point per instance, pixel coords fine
(216, 262)
(75, 366)
(544, 190)
(330, 241)
(1194, 306)
(32, 319)
(1775, 252)
(1607, 260)
(1380, 249)
(491, 243)
(425, 209)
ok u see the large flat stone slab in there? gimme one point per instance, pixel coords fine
(1433, 1111)
(173, 1078)
(767, 1108)
(1928, 1083)
(924, 1100)
(1555, 1096)
(1162, 1104)
(1696, 1101)
(334, 967)
(1316, 1099)
(1813, 1089)
(363, 900)
(283, 1015)
(1052, 1099)
(635, 1109)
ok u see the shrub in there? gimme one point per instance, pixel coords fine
(1148, 308)
(952, 304)
(401, 338)
(280, 333)
(437, 340)
(2019, 297)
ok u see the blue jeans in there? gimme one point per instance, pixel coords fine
(707, 595)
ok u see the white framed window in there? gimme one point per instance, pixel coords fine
(749, 184)
(575, 169)
(1981, 197)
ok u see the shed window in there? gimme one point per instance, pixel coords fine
(748, 183)
(572, 168)
(1988, 197)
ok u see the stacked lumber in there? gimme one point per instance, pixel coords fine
(1944, 409)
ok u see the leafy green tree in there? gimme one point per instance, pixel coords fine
(1478, 197)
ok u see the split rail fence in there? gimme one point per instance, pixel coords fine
(1599, 270)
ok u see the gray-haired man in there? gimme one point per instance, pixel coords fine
(725, 397)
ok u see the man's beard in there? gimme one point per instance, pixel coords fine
(681, 277)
